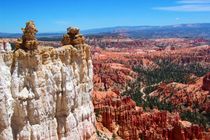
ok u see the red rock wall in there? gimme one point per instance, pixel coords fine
(121, 115)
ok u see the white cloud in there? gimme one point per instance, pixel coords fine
(193, 1)
(186, 8)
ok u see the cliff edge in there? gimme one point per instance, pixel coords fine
(46, 94)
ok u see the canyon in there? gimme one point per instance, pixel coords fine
(120, 116)
(70, 90)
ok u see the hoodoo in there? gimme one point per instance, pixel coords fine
(46, 94)
(73, 37)
(28, 40)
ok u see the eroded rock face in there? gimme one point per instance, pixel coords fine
(126, 121)
(46, 94)
(206, 82)
(111, 76)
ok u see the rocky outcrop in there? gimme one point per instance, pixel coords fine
(73, 37)
(46, 94)
(28, 40)
(122, 118)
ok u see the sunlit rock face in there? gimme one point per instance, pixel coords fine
(46, 94)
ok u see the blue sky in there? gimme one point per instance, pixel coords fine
(57, 15)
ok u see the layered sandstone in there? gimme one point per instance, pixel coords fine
(46, 94)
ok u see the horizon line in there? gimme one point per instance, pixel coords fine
(106, 27)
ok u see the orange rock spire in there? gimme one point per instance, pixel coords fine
(73, 37)
(28, 40)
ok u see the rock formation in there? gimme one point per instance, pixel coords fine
(119, 118)
(28, 40)
(73, 37)
(111, 76)
(122, 118)
(46, 94)
(5, 46)
(206, 82)
(185, 95)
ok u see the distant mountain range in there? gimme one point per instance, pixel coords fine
(180, 30)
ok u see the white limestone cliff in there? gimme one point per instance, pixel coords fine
(46, 94)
